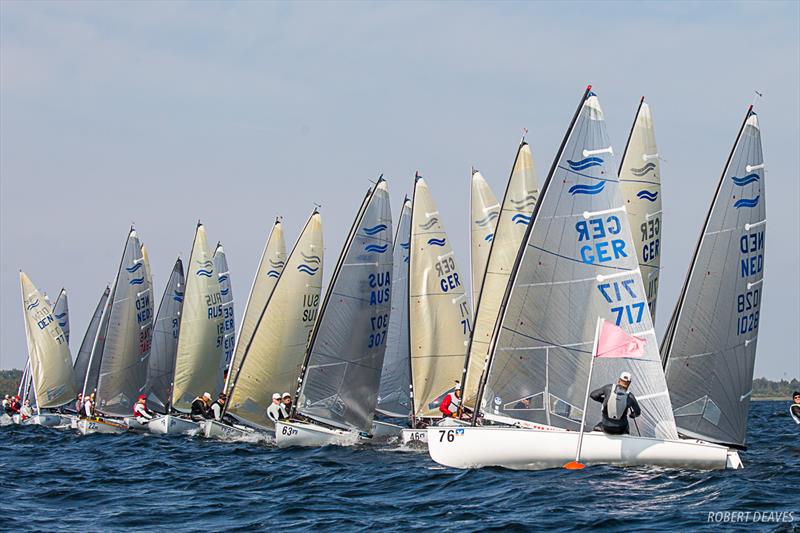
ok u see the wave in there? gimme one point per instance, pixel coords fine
(489, 237)
(223, 277)
(273, 274)
(374, 230)
(62, 324)
(405, 245)
(519, 218)
(644, 194)
(488, 218)
(587, 189)
(62, 315)
(134, 268)
(531, 198)
(276, 264)
(206, 273)
(177, 296)
(644, 170)
(136, 281)
(307, 269)
(312, 258)
(207, 264)
(585, 163)
(429, 224)
(746, 202)
(750, 178)
(379, 248)
(224, 292)
(437, 242)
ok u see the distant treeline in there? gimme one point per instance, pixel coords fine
(9, 381)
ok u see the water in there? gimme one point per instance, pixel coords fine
(57, 480)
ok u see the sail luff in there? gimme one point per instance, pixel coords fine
(228, 318)
(91, 375)
(61, 312)
(81, 364)
(484, 211)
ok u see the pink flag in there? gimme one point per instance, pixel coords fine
(615, 342)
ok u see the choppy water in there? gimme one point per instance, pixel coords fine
(57, 480)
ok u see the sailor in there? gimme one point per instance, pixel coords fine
(79, 403)
(25, 411)
(286, 406)
(218, 406)
(7, 404)
(88, 406)
(15, 404)
(617, 403)
(451, 403)
(142, 414)
(794, 409)
(274, 410)
(200, 406)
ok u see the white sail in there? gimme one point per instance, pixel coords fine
(51, 363)
(394, 396)
(271, 361)
(341, 376)
(522, 193)
(640, 183)
(273, 259)
(61, 312)
(81, 365)
(198, 361)
(440, 318)
(484, 210)
(226, 291)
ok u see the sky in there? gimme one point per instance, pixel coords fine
(163, 113)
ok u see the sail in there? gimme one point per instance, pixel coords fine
(61, 313)
(84, 353)
(198, 363)
(640, 183)
(96, 354)
(394, 394)
(484, 210)
(126, 345)
(522, 193)
(710, 344)
(273, 259)
(439, 313)
(578, 263)
(51, 363)
(345, 356)
(226, 292)
(161, 365)
(271, 361)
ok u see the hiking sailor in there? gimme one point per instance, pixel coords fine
(200, 407)
(451, 403)
(7, 404)
(79, 403)
(286, 406)
(218, 406)
(617, 402)
(25, 411)
(794, 409)
(274, 409)
(88, 406)
(142, 414)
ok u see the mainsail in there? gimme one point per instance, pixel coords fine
(198, 361)
(578, 263)
(522, 193)
(226, 292)
(710, 343)
(394, 394)
(272, 359)
(85, 352)
(342, 371)
(440, 318)
(640, 183)
(484, 210)
(161, 366)
(51, 363)
(122, 371)
(273, 259)
(61, 313)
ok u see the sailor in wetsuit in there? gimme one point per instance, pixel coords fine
(617, 403)
(794, 409)
(200, 407)
(274, 409)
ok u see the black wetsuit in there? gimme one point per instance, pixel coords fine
(200, 410)
(619, 425)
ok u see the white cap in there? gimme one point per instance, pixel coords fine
(206, 395)
(458, 386)
(625, 376)
(276, 396)
(286, 395)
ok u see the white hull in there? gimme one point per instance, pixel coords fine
(414, 436)
(530, 449)
(50, 420)
(213, 429)
(288, 434)
(6, 420)
(99, 425)
(173, 425)
(384, 430)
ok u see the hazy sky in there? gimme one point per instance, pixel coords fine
(162, 113)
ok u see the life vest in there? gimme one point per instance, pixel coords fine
(274, 412)
(140, 411)
(617, 403)
(450, 403)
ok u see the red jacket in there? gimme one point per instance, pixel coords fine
(449, 407)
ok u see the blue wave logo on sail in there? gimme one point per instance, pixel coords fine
(644, 170)
(207, 264)
(177, 296)
(374, 230)
(376, 248)
(429, 224)
(583, 164)
(405, 259)
(587, 189)
(745, 202)
(519, 218)
(136, 281)
(276, 264)
(33, 304)
(437, 242)
(644, 194)
(528, 201)
(489, 237)
(205, 273)
(62, 315)
(488, 218)
(223, 277)
(273, 274)
(62, 324)
(314, 259)
(134, 268)
(746, 180)
(307, 269)
(224, 292)
(405, 245)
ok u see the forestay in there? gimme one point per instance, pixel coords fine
(228, 335)
(161, 367)
(198, 367)
(61, 313)
(85, 351)
(272, 359)
(342, 372)
(578, 263)
(710, 343)
(640, 183)
(440, 318)
(484, 210)
(51, 363)
(522, 193)
(394, 394)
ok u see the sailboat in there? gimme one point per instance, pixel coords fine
(272, 359)
(709, 348)
(576, 268)
(342, 369)
(226, 292)
(484, 210)
(199, 355)
(270, 267)
(161, 365)
(117, 369)
(519, 200)
(640, 183)
(81, 364)
(440, 317)
(51, 363)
